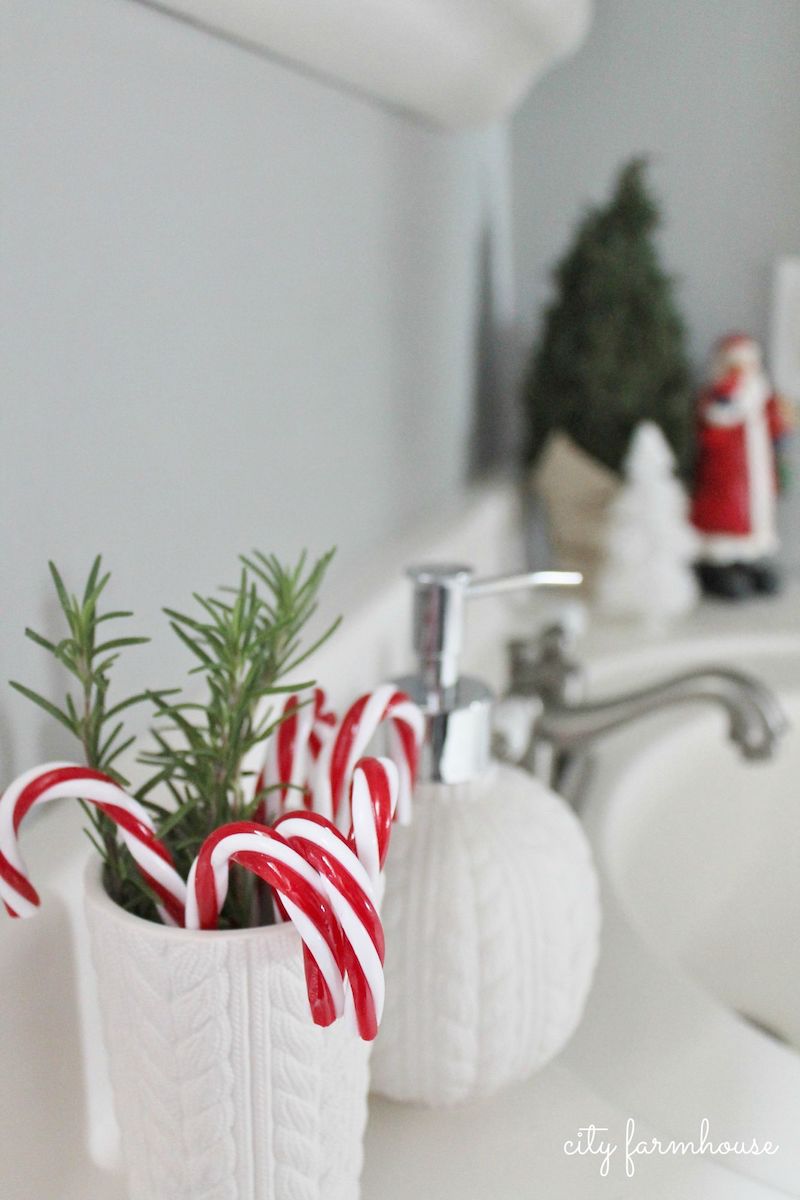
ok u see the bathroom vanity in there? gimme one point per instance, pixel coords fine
(692, 1012)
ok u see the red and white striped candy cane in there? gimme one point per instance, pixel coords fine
(350, 892)
(358, 727)
(292, 749)
(324, 727)
(54, 781)
(299, 891)
(373, 801)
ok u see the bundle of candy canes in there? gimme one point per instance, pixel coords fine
(311, 757)
(323, 862)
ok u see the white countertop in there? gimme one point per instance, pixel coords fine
(512, 1148)
(508, 1148)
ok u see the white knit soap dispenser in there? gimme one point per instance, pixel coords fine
(491, 910)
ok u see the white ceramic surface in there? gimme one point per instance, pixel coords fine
(699, 853)
(492, 922)
(730, 912)
(224, 1088)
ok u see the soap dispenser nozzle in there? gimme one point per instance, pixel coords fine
(458, 708)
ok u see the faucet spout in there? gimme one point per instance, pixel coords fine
(562, 726)
(756, 719)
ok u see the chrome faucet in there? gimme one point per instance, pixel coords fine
(563, 725)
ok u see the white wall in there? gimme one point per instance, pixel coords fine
(239, 308)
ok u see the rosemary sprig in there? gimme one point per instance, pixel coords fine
(88, 654)
(243, 645)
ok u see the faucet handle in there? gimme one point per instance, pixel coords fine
(545, 664)
(440, 591)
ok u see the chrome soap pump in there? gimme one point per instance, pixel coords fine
(491, 909)
(458, 708)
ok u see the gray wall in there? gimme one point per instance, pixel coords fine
(710, 89)
(239, 307)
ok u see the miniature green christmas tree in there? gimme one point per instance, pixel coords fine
(612, 353)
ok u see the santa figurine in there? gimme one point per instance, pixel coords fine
(741, 426)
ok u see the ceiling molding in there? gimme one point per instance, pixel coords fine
(458, 63)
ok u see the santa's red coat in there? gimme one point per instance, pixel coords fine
(721, 497)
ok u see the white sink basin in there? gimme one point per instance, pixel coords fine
(705, 854)
(695, 1012)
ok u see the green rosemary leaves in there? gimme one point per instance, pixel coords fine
(244, 642)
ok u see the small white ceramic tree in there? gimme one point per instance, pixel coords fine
(650, 544)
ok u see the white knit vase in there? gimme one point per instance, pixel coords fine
(224, 1089)
(492, 922)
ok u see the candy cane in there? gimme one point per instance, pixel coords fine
(348, 888)
(324, 726)
(299, 890)
(373, 801)
(293, 747)
(54, 781)
(358, 727)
